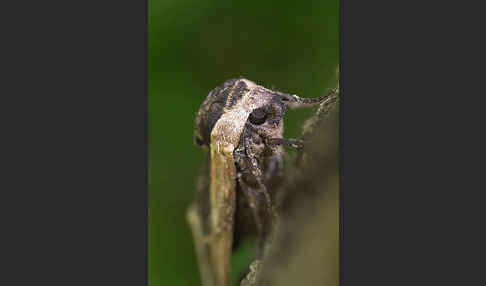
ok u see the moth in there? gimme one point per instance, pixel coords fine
(240, 125)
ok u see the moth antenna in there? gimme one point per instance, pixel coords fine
(294, 101)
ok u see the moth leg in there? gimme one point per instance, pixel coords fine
(290, 142)
(273, 175)
(252, 198)
(251, 195)
(295, 143)
(257, 174)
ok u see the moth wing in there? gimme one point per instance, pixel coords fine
(223, 204)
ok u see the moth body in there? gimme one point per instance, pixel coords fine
(240, 124)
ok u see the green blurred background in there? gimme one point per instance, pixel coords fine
(194, 46)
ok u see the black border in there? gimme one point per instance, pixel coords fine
(406, 193)
(76, 154)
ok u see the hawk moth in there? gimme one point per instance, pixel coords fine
(240, 125)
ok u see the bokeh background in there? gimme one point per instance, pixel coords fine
(291, 46)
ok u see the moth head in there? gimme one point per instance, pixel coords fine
(237, 102)
(267, 118)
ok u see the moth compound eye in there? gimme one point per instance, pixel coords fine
(258, 116)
